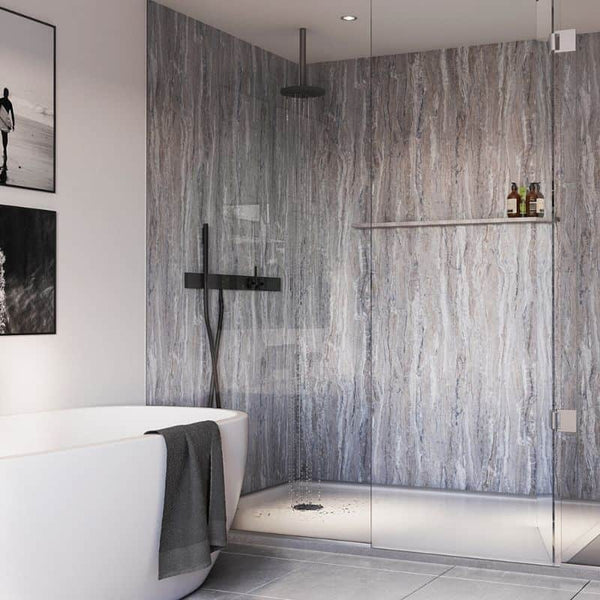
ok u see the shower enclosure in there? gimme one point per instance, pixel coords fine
(410, 386)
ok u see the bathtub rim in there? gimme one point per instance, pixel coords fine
(236, 415)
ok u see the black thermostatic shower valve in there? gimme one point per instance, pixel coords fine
(248, 283)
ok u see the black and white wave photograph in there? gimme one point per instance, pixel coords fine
(27, 98)
(27, 271)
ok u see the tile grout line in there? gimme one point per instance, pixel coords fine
(443, 573)
(245, 594)
(262, 585)
(428, 583)
(251, 591)
(496, 582)
(254, 592)
(581, 590)
(314, 562)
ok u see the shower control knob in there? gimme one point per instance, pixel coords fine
(254, 283)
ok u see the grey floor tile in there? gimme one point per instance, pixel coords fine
(242, 573)
(333, 558)
(211, 595)
(332, 582)
(495, 576)
(446, 588)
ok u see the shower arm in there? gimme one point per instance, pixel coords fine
(302, 60)
(302, 89)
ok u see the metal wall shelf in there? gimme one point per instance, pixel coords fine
(453, 223)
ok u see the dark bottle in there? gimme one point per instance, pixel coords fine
(531, 201)
(512, 202)
(540, 207)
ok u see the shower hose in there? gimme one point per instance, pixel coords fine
(214, 343)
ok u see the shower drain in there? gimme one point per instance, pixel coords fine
(307, 506)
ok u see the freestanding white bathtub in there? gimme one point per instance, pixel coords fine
(81, 498)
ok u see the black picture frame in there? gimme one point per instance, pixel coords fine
(52, 188)
(32, 232)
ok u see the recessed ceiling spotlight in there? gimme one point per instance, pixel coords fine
(349, 18)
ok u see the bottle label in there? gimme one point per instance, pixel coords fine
(532, 208)
(540, 205)
(511, 206)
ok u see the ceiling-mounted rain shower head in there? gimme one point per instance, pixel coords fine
(302, 90)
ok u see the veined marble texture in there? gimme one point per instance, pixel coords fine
(578, 276)
(330, 277)
(462, 347)
(460, 377)
(453, 128)
(567, 237)
(588, 124)
(217, 139)
(441, 374)
(280, 183)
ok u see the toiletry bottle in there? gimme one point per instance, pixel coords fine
(523, 201)
(512, 202)
(541, 207)
(531, 201)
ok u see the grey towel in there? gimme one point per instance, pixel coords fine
(194, 519)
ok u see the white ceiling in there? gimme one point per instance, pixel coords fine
(398, 26)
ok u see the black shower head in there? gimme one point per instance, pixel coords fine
(302, 90)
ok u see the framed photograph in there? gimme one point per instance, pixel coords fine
(27, 102)
(27, 271)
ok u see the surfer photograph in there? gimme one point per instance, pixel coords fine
(7, 122)
(27, 93)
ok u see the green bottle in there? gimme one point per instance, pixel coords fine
(523, 201)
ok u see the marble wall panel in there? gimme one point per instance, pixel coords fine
(461, 321)
(579, 468)
(455, 349)
(217, 139)
(577, 252)
(462, 360)
(567, 236)
(453, 128)
(221, 139)
(330, 281)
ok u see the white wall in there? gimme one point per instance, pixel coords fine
(98, 354)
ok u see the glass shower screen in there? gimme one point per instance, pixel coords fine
(577, 353)
(323, 154)
(461, 294)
